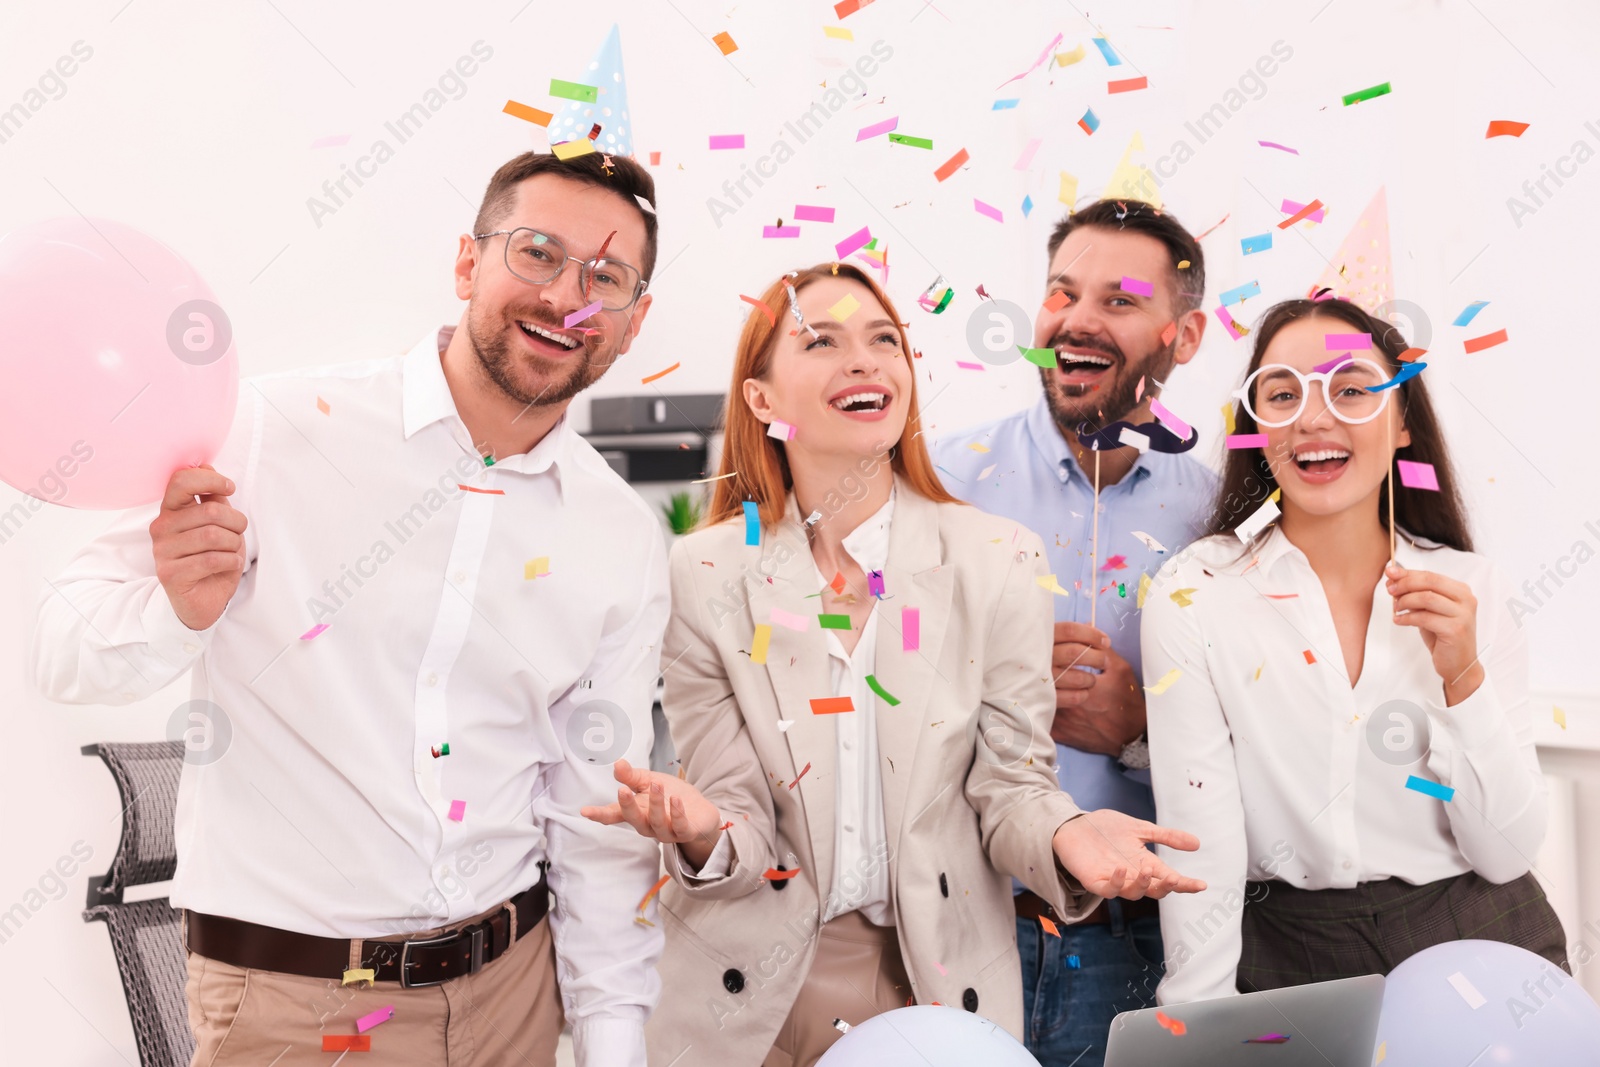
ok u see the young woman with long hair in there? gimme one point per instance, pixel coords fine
(858, 685)
(1344, 724)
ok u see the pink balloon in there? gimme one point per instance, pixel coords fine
(117, 365)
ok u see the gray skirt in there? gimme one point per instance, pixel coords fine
(1295, 936)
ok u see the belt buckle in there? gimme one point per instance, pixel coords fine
(405, 959)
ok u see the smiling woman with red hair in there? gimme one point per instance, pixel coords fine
(855, 791)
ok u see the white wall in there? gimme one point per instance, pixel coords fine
(193, 122)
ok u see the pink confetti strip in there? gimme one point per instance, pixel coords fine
(809, 213)
(458, 810)
(1346, 342)
(1227, 323)
(988, 209)
(910, 629)
(878, 128)
(1281, 148)
(314, 631)
(1289, 207)
(780, 430)
(969, 366)
(790, 621)
(856, 240)
(1138, 286)
(1027, 154)
(1247, 440)
(780, 231)
(373, 1018)
(1168, 419)
(578, 316)
(1418, 475)
(727, 140)
(1337, 361)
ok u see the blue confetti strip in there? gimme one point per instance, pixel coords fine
(1233, 296)
(1259, 243)
(1105, 50)
(1430, 789)
(752, 523)
(1469, 312)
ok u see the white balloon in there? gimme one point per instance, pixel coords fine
(927, 1035)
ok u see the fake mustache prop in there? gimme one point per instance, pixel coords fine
(1161, 438)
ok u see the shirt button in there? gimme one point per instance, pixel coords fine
(849, 829)
(433, 679)
(190, 646)
(1345, 865)
(461, 576)
(848, 746)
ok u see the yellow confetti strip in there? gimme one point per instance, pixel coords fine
(1069, 189)
(848, 305)
(1260, 669)
(1227, 417)
(1165, 683)
(1180, 597)
(758, 648)
(365, 974)
(536, 568)
(1049, 582)
(1383, 1050)
(1276, 495)
(839, 33)
(1144, 589)
(573, 149)
(976, 447)
(1561, 718)
(1066, 59)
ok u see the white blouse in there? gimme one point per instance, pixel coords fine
(860, 881)
(1262, 748)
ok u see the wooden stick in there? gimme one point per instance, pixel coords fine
(1094, 544)
(1392, 462)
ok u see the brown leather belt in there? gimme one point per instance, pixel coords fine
(1032, 906)
(427, 962)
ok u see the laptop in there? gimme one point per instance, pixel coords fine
(1325, 1023)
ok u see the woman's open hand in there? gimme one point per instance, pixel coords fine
(1446, 613)
(662, 807)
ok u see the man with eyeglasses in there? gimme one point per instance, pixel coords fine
(424, 618)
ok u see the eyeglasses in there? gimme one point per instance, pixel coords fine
(539, 258)
(1275, 394)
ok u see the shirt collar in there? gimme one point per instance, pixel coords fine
(1277, 547)
(1052, 445)
(426, 399)
(868, 544)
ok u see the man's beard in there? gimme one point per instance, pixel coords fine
(1096, 403)
(500, 364)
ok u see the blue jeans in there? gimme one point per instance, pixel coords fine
(1067, 1010)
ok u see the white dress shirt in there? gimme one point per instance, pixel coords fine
(1285, 771)
(319, 807)
(860, 868)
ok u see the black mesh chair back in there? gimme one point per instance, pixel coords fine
(145, 934)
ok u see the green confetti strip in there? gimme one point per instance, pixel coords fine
(912, 142)
(1044, 357)
(1366, 94)
(573, 91)
(881, 691)
(834, 622)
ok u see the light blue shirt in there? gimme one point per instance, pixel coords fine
(1035, 481)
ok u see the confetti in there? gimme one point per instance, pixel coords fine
(1469, 312)
(1174, 1026)
(1366, 94)
(1261, 242)
(322, 406)
(1311, 658)
(1404, 374)
(346, 1043)
(1027, 155)
(759, 643)
(587, 94)
(1258, 521)
(848, 305)
(1336, 361)
(1560, 717)
(440, 750)
(837, 585)
(663, 880)
(752, 523)
(853, 242)
(1037, 63)
(1488, 340)
(359, 974)
(1115, 563)
(475, 489)
(1138, 286)
(1050, 582)
(1165, 682)
(812, 213)
(1240, 292)
(1234, 329)
(722, 141)
(1129, 436)
(1279, 147)
(1430, 789)
(780, 430)
(1105, 50)
(1075, 963)
(314, 631)
(784, 724)
(1347, 342)
(780, 231)
(1180, 597)
(772, 874)
(1149, 542)
(772, 319)
(877, 128)
(1416, 475)
(1069, 189)
(1304, 212)
(1169, 420)
(537, 567)
(1464, 986)
(458, 810)
(1267, 1039)
(1066, 59)
(578, 316)
(1090, 121)
(1383, 1051)
(1167, 335)
(725, 42)
(833, 622)
(1043, 357)
(910, 141)
(1247, 440)
(875, 584)
(1127, 85)
(1497, 128)
(839, 33)
(1289, 207)
(374, 1018)
(798, 623)
(988, 209)
(1005, 105)
(1048, 927)
(831, 705)
(950, 166)
(965, 365)
(799, 776)
(883, 694)
(910, 629)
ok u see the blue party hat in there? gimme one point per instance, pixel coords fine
(610, 108)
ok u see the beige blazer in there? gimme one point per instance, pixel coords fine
(969, 789)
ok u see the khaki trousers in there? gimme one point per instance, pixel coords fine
(857, 973)
(508, 1013)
